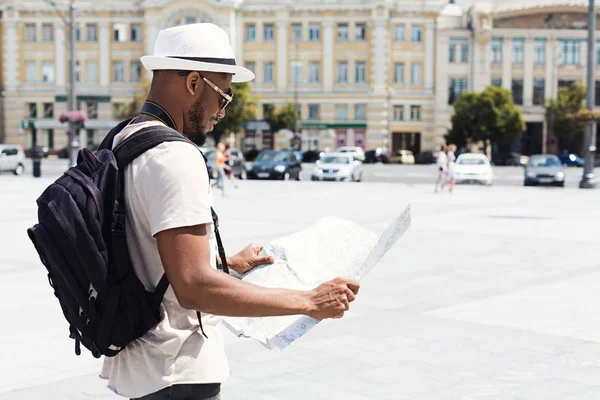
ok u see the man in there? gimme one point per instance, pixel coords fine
(169, 230)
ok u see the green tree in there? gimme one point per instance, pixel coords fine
(489, 116)
(282, 118)
(568, 107)
(241, 110)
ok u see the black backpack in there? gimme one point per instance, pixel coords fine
(80, 238)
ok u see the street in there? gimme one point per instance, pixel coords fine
(491, 294)
(385, 173)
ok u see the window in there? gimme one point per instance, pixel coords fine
(250, 32)
(48, 71)
(118, 71)
(571, 52)
(398, 113)
(464, 52)
(342, 32)
(297, 32)
(458, 50)
(47, 33)
(361, 31)
(135, 71)
(313, 111)
(190, 20)
(517, 91)
(30, 33)
(31, 110)
(251, 65)
(31, 71)
(268, 32)
(416, 33)
(360, 112)
(597, 94)
(399, 32)
(341, 112)
(415, 113)
(539, 51)
(342, 71)
(452, 52)
(92, 32)
(415, 73)
(296, 71)
(456, 87)
(497, 81)
(77, 33)
(360, 72)
(48, 110)
(92, 109)
(119, 32)
(91, 72)
(598, 52)
(518, 45)
(399, 73)
(313, 72)
(268, 72)
(314, 32)
(136, 32)
(496, 50)
(539, 86)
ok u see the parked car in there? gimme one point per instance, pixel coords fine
(12, 158)
(378, 155)
(403, 157)
(544, 169)
(426, 157)
(357, 152)
(473, 168)
(275, 164)
(237, 158)
(570, 159)
(338, 167)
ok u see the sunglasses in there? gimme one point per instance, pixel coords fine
(226, 97)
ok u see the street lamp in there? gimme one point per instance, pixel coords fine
(588, 178)
(73, 145)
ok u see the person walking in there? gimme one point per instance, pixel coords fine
(229, 163)
(171, 232)
(442, 166)
(220, 168)
(451, 170)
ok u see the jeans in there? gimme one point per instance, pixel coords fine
(220, 180)
(186, 392)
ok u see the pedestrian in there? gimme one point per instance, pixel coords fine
(442, 166)
(451, 170)
(229, 163)
(170, 230)
(219, 169)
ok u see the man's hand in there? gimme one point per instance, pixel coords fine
(331, 299)
(248, 258)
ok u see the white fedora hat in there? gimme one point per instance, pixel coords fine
(195, 47)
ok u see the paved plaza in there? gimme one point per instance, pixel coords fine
(491, 294)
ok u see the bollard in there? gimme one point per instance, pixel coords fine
(37, 155)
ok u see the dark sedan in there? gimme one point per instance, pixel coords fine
(544, 169)
(275, 164)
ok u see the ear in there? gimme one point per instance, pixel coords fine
(193, 83)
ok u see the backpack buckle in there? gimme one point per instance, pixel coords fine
(118, 220)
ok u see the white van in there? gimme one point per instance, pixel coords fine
(12, 158)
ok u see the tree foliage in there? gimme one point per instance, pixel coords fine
(569, 116)
(489, 116)
(282, 118)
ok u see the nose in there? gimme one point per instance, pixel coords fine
(221, 114)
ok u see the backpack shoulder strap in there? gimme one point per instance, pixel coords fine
(108, 140)
(144, 140)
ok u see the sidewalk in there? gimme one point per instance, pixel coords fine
(490, 295)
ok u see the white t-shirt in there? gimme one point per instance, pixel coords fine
(166, 187)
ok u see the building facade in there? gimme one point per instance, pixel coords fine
(530, 48)
(356, 70)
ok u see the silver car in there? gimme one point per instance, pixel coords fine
(12, 158)
(338, 167)
(544, 169)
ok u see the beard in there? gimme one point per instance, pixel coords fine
(196, 117)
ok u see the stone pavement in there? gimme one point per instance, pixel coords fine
(490, 295)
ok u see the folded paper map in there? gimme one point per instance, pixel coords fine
(331, 248)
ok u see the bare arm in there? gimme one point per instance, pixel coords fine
(185, 255)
